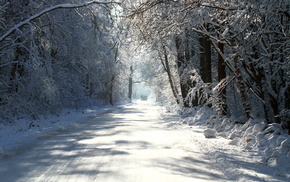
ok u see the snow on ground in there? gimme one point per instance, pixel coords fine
(26, 131)
(251, 151)
(129, 144)
(134, 143)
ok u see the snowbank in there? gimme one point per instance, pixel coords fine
(270, 141)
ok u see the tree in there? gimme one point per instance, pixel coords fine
(61, 55)
(130, 83)
(251, 51)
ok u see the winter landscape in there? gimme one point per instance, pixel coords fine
(145, 90)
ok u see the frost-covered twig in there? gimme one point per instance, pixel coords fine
(208, 5)
(13, 62)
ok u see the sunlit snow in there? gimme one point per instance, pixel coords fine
(132, 143)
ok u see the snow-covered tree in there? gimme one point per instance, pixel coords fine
(54, 56)
(232, 53)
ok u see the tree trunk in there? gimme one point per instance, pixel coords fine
(168, 71)
(268, 109)
(181, 65)
(205, 59)
(287, 98)
(221, 76)
(130, 83)
(184, 53)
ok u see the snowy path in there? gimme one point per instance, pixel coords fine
(129, 144)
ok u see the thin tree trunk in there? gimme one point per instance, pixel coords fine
(240, 83)
(181, 65)
(130, 83)
(170, 79)
(287, 98)
(221, 76)
(268, 107)
(242, 88)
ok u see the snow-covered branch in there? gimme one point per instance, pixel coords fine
(47, 10)
(13, 62)
(208, 5)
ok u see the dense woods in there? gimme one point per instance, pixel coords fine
(232, 56)
(223, 65)
(55, 56)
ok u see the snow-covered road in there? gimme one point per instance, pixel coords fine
(131, 143)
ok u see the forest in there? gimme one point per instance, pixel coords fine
(230, 56)
(54, 57)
